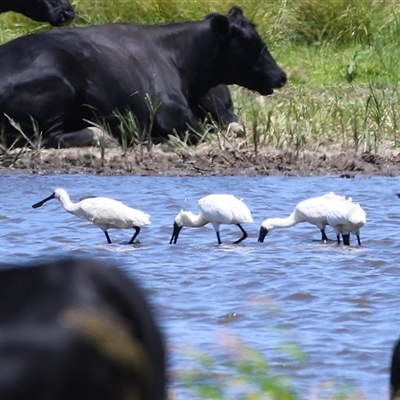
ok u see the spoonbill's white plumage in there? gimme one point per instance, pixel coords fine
(103, 212)
(216, 209)
(345, 219)
(313, 211)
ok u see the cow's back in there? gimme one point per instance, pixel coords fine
(105, 65)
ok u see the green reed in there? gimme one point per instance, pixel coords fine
(347, 118)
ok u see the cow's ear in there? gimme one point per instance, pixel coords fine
(220, 25)
(236, 11)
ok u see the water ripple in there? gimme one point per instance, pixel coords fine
(339, 304)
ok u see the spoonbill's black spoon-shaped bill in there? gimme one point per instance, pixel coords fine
(313, 211)
(103, 212)
(217, 209)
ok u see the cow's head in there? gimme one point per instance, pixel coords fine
(243, 56)
(56, 12)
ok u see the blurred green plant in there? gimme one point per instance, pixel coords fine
(243, 373)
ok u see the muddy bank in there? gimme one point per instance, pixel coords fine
(202, 160)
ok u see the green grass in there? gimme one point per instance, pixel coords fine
(341, 57)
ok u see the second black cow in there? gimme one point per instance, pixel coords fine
(64, 78)
(56, 12)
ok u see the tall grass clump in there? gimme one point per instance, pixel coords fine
(135, 134)
(354, 118)
(151, 11)
(339, 21)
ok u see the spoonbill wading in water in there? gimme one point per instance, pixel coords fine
(313, 211)
(216, 209)
(345, 219)
(103, 212)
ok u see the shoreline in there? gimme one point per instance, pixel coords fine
(202, 160)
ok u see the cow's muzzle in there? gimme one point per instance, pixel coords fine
(64, 17)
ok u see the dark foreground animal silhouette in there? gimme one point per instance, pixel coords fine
(75, 329)
(64, 78)
(395, 373)
(56, 12)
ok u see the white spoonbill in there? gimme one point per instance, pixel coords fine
(216, 209)
(103, 212)
(312, 210)
(347, 218)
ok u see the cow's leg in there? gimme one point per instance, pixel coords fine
(52, 100)
(172, 117)
(217, 102)
(90, 136)
(235, 128)
(60, 139)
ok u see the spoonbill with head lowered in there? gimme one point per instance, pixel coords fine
(312, 210)
(345, 219)
(216, 209)
(103, 212)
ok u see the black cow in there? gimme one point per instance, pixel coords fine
(56, 12)
(63, 78)
(75, 329)
(395, 373)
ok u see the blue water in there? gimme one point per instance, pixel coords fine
(338, 304)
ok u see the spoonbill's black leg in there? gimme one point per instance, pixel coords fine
(338, 239)
(244, 234)
(108, 237)
(324, 237)
(359, 240)
(137, 230)
(218, 237)
(346, 239)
